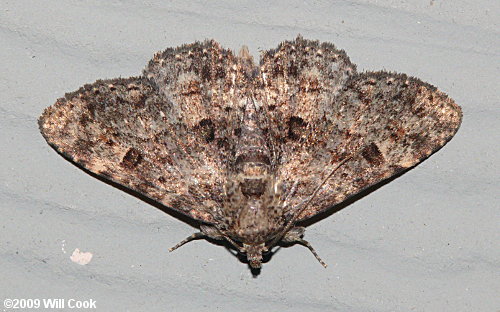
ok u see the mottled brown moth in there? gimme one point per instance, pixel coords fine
(251, 150)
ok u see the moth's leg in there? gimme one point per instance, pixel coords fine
(292, 191)
(295, 236)
(205, 231)
(211, 232)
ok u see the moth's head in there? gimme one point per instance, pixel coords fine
(254, 254)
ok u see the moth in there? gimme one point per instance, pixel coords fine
(251, 150)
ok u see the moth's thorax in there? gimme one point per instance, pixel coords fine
(253, 214)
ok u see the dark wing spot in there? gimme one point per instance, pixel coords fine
(206, 73)
(207, 129)
(223, 144)
(293, 69)
(132, 158)
(372, 155)
(418, 141)
(138, 99)
(297, 128)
